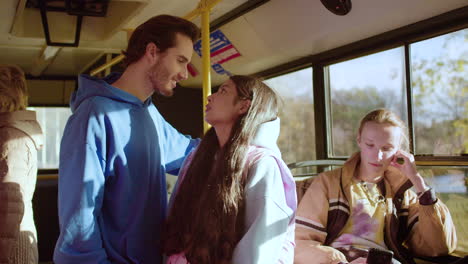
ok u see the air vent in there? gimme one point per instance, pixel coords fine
(100, 19)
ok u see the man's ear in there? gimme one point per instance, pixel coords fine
(245, 105)
(151, 51)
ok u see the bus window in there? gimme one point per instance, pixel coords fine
(297, 136)
(53, 121)
(439, 74)
(360, 85)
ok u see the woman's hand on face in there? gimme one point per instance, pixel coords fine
(408, 168)
(404, 161)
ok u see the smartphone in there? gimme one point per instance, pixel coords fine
(379, 256)
(400, 160)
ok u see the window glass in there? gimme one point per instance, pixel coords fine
(451, 186)
(297, 136)
(439, 74)
(360, 85)
(52, 121)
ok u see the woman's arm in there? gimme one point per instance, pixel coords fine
(311, 223)
(267, 216)
(14, 169)
(430, 225)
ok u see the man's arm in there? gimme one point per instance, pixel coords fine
(176, 146)
(81, 191)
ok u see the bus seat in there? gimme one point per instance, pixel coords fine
(304, 173)
(46, 217)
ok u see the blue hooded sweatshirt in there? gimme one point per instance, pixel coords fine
(114, 154)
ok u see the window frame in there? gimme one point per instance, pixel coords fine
(401, 37)
(51, 173)
(292, 71)
(44, 173)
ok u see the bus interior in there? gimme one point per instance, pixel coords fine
(329, 69)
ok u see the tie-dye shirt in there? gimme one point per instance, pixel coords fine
(365, 226)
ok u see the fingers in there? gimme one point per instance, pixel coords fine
(400, 160)
(405, 162)
(401, 157)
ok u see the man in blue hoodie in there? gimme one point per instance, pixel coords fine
(117, 148)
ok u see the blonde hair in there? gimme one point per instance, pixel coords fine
(13, 92)
(385, 116)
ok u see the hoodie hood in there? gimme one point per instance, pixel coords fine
(267, 135)
(26, 122)
(89, 87)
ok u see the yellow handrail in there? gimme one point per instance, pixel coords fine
(107, 65)
(47, 177)
(206, 66)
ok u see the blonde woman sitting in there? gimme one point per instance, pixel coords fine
(365, 211)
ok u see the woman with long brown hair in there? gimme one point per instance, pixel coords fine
(236, 199)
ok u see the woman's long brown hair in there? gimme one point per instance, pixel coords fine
(206, 219)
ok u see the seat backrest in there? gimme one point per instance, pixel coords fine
(302, 186)
(46, 217)
(303, 180)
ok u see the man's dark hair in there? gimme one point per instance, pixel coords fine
(162, 31)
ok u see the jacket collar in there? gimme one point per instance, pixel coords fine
(26, 122)
(397, 182)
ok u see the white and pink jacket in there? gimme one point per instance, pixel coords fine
(271, 204)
